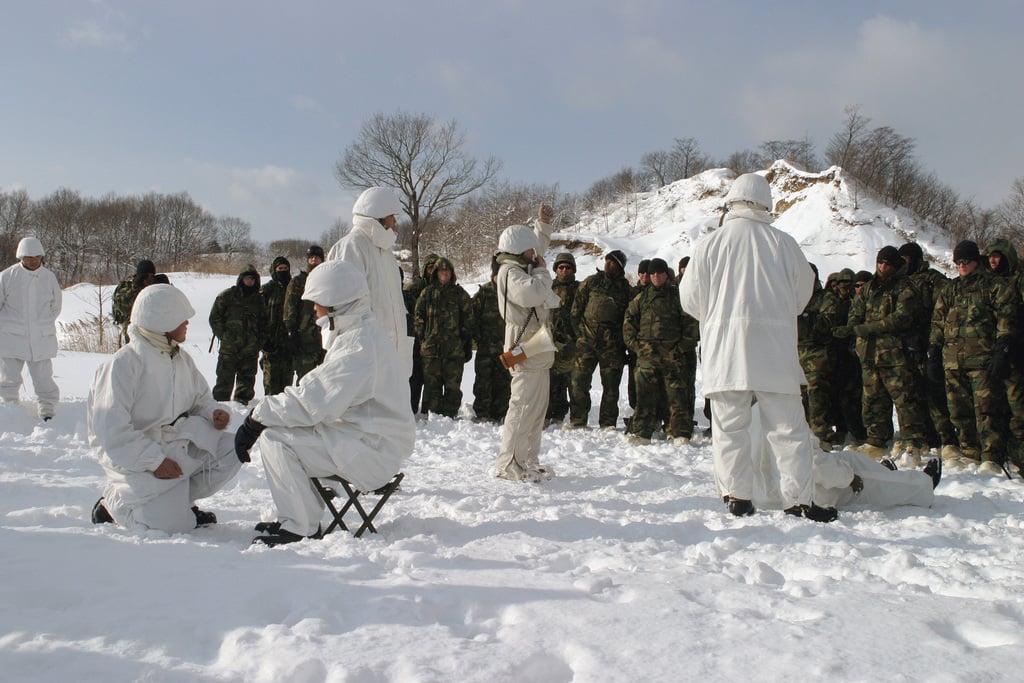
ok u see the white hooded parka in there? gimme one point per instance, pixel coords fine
(30, 301)
(357, 404)
(748, 323)
(368, 247)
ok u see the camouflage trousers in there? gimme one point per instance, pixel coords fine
(817, 395)
(977, 406)
(1014, 385)
(236, 371)
(939, 429)
(884, 388)
(611, 359)
(847, 397)
(277, 371)
(491, 386)
(442, 383)
(662, 387)
(306, 361)
(561, 382)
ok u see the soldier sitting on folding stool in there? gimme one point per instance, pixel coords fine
(348, 417)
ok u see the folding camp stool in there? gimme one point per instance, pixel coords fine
(328, 494)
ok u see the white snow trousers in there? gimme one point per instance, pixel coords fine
(203, 474)
(785, 431)
(290, 457)
(524, 422)
(41, 371)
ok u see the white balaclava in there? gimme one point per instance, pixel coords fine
(341, 288)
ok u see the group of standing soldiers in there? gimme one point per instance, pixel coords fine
(944, 353)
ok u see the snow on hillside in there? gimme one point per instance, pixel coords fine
(837, 225)
(625, 567)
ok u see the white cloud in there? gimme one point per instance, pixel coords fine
(110, 30)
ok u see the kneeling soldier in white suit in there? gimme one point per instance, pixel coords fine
(349, 416)
(157, 431)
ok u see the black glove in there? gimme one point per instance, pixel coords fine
(842, 331)
(467, 350)
(999, 365)
(857, 484)
(933, 366)
(294, 343)
(246, 437)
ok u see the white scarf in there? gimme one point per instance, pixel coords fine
(159, 340)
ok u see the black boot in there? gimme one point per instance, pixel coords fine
(203, 518)
(740, 507)
(934, 470)
(100, 515)
(278, 537)
(813, 512)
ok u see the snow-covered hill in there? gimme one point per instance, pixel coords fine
(838, 224)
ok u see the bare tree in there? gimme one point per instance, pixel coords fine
(687, 158)
(234, 235)
(1010, 214)
(658, 167)
(339, 228)
(842, 147)
(426, 161)
(15, 222)
(745, 161)
(800, 153)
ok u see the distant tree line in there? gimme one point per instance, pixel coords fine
(101, 240)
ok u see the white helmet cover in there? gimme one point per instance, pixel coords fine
(30, 246)
(161, 308)
(753, 188)
(334, 284)
(516, 239)
(377, 202)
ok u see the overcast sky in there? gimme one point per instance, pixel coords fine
(247, 105)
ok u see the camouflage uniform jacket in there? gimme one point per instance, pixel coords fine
(443, 319)
(299, 317)
(930, 283)
(600, 302)
(488, 327)
(122, 301)
(411, 294)
(970, 315)
(561, 318)
(890, 307)
(814, 325)
(1014, 279)
(655, 326)
(239, 320)
(273, 294)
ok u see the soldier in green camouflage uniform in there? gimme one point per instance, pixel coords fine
(276, 362)
(239, 319)
(846, 385)
(969, 344)
(597, 314)
(1003, 261)
(492, 382)
(565, 286)
(411, 294)
(443, 321)
(883, 319)
(304, 339)
(939, 429)
(814, 342)
(643, 278)
(658, 331)
(125, 293)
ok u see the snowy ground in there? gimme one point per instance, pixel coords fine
(625, 567)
